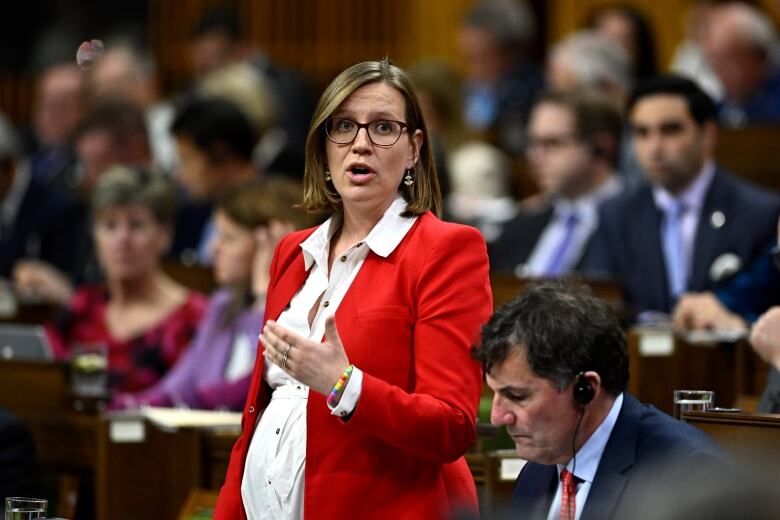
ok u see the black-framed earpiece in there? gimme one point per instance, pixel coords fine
(583, 390)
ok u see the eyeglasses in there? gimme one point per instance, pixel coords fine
(382, 132)
(552, 143)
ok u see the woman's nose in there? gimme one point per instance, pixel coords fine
(362, 140)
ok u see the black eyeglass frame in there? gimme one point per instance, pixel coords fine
(368, 132)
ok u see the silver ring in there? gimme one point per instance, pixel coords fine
(286, 353)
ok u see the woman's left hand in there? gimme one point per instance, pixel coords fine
(317, 365)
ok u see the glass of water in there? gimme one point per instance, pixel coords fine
(20, 508)
(89, 369)
(692, 401)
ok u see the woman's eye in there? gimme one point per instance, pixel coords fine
(383, 127)
(344, 125)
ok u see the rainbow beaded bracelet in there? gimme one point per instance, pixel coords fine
(335, 394)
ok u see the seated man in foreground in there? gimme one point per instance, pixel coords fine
(557, 361)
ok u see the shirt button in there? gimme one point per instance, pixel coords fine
(298, 387)
(359, 244)
(344, 258)
(326, 303)
(343, 414)
(251, 409)
(277, 431)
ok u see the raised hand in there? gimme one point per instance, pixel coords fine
(317, 365)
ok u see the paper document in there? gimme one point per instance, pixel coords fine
(182, 418)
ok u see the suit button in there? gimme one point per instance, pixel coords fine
(251, 409)
(326, 304)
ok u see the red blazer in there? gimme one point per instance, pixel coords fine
(408, 322)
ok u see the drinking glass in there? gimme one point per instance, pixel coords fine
(692, 401)
(20, 508)
(89, 369)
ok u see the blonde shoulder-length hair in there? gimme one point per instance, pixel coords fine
(319, 194)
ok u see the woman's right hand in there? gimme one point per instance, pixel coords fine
(266, 237)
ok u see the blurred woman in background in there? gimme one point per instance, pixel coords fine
(143, 317)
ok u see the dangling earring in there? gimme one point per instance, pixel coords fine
(327, 175)
(408, 179)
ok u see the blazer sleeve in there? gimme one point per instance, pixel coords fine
(437, 421)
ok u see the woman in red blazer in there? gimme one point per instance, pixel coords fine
(364, 396)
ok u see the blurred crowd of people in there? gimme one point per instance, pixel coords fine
(590, 162)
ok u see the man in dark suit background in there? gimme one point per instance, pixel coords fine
(573, 145)
(18, 466)
(35, 221)
(557, 361)
(693, 225)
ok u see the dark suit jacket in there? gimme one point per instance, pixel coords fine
(18, 466)
(518, 239)
(48, 226)
(646, 447)
(627, 244)
(770, 399)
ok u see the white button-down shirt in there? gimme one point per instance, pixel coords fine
(273, 482)
(588, 459)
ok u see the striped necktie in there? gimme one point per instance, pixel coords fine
(568, 495)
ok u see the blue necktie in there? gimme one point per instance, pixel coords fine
(674, 249)
(556, 265)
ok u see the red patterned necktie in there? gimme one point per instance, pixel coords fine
(568, 494)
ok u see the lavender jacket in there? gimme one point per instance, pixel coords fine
(197, 379)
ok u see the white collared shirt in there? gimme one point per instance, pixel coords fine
(273, 482)
(587, 211)
(588, 458)
(693, 201)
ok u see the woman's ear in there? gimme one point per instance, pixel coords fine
(414, 149)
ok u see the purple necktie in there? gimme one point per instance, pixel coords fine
(674, 249)
(556, 265)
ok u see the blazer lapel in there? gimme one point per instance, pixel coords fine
(708, 236)
(534, 491)
(619, 455)
(646, 250)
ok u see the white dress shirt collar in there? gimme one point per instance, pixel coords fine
(383, 238)
(589, 202)
(589, 455)
(693, 196)
(588, 460)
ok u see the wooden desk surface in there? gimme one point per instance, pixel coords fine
(731, 370)
(752, 438)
